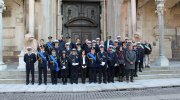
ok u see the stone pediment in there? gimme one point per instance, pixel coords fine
(169, 31)
(81, 22)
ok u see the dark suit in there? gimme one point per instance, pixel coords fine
(92, 68)
(64, 70)
(83, 70)
(74, 68)
(106, 44)
(54, 73)
(102, 69)
(42, 67)
(29, 60)
(111, 63)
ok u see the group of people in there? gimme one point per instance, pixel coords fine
(99, 61)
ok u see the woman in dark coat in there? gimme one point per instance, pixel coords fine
(120, 62)
(130, 59)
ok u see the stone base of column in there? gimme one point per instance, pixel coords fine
(3, 66)
(162, 61)
(21, 66)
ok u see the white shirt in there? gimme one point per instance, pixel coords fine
(107, 44)
(84, 60)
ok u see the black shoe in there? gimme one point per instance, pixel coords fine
(45, 83)
(27, 83)
(127, 81)
(132, 81)
(32, 83)
(140, 70)
(39, 83)
(105, 82)
(136, 75)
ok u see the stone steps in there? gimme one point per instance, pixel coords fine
(18, 77)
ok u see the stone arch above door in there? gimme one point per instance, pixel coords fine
(81, 22)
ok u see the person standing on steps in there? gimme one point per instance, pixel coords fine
(29, 59)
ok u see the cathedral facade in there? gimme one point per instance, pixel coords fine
(88, 19)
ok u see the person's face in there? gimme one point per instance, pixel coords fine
(110, 48)
(67, 46)
(73, 52)
(53, 53)
(78, 46)
(64, 54)
(60, 38)
(50, 40)
(41, 41)
(119, 39)
(56, 44)
(135, 47)
(42, 49)
(101, 48)
(29, 51)
(69, 40)
(94, 43)
(120, 49)
(83, 52)
(130, 48)
(92, 51)
(89, 44)
(116, 43)
(101, 42)
(78, 40)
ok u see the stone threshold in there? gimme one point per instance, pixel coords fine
(86, 88)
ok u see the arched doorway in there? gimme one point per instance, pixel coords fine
(81, 20)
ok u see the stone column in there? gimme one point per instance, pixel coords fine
(133, 13)
(129, 20)
(103, 20)
(31, 17)
(59, 18)
(2, 65)
(162, 60)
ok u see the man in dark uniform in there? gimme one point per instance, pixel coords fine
(107, 43)
(97, 45)
(141, 55)
(102, 64)
(54, 67)
(88, 47)
(64, 67)
(61, 43)
(42, 58)
(29, 59)
(49, 45)
(57, 48)
(74, 60)
(79, 49)
(137, 60)
(68, 40)
(111, 63)
(67, 49)
(92, 61)
(119, 40)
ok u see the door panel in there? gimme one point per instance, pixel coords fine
(81, 19)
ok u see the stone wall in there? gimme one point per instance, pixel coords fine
(149, 20)
(13, 29)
